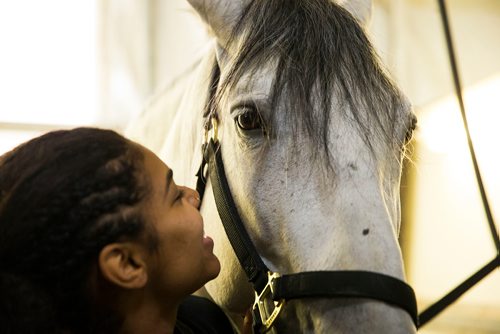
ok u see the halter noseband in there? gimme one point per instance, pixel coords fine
(272, 289)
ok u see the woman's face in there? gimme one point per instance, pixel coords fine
(184, 260)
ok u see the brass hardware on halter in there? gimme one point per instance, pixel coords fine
(214, 130)
(269, 309)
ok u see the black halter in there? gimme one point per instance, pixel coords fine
(272, 290)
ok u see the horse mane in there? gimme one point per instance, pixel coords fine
(321, 51)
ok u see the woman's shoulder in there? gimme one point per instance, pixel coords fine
(201, 316)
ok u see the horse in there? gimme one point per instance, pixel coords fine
(313, 134)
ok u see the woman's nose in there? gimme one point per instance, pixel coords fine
(192, 196)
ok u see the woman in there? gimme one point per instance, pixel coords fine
(96, 237)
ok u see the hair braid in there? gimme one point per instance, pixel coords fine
(64, 196)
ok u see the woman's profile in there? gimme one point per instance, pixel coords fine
(96, 237)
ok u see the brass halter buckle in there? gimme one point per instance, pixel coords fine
(212, 132)
(268, 308)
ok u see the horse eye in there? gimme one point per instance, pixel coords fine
(249, 120)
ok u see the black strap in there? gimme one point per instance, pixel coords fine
(453, 295)
(201, 177)
(456, 293)
(458, 93)
(350, 284)
(246, 253)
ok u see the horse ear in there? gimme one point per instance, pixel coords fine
(360, 9)
(221, 55)
(220, 15)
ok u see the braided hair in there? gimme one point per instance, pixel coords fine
(63, 197)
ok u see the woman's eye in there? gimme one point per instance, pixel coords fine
(249, 120)
(180, 194)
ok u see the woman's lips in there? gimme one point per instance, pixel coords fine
(208, 242)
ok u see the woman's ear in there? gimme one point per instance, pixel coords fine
(124, 264)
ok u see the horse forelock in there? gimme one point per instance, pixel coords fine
(321, 53)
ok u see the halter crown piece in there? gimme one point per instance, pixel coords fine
(272, 289)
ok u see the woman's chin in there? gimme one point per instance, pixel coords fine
(212, 263)
(213, 267)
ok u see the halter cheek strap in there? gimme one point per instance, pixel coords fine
(272, 290)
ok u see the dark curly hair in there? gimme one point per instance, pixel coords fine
(63, 197)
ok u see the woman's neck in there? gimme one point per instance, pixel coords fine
(148, 317)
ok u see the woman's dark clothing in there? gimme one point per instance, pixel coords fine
(198, 315)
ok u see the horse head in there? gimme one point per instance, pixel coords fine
(312, 135)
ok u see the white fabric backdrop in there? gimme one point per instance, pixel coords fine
(145, 43)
